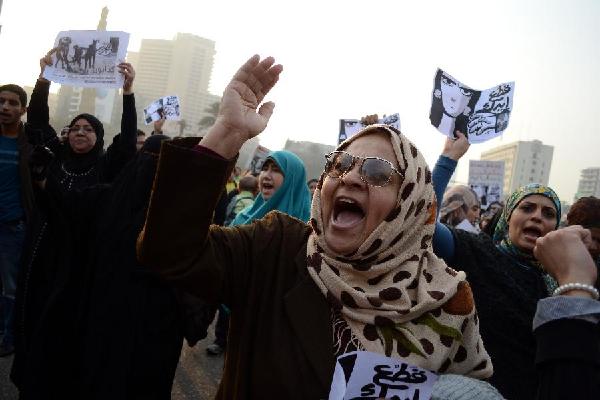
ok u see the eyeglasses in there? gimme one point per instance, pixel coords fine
(373, 171)
(84, 129)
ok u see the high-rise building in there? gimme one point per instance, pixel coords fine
(589, 183)
(181, 67)
(524, 163)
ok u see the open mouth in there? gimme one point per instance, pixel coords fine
(267, 185)
(532, 233)
(347, 212)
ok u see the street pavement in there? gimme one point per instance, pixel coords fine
(197, 376)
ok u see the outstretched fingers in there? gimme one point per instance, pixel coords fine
(259, 75)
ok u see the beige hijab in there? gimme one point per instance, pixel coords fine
(398, 298)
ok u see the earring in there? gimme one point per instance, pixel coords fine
(437, 93)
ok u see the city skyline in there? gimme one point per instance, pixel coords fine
(338, 63)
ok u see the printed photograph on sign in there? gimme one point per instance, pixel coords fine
(88, 58)
(486, 178)
(167, 106)
(479, 114)
(256, 162)
(350, 127)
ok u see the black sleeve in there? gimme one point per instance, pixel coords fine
(221, 209)
(568, 360)
(38, 113)
(122, 151)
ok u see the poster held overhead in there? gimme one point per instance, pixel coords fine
(480, 114)
(486, 178)
(350, 127)
(167, 106)
(88, 58)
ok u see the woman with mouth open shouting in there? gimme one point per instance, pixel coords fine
(506, 278)
(360, 277)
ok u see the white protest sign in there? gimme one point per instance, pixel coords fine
(486, 178)
(366, 375)
(88, 58)
(256, 162)
(167, 106)
(350, 127)
(479, 114)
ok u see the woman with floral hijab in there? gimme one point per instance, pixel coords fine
(361, 276)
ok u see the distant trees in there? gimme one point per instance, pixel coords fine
(207, 121)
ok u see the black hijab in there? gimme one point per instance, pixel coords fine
(81, 162)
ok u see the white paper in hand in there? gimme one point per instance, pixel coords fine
(366, 375)
(88, 58)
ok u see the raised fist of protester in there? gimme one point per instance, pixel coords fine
(129, 75)
(564, 255)
(39, 160)
(456, 148)
(45, 61)
(241, 115)
(369, 119)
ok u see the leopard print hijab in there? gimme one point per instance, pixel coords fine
(398, 298)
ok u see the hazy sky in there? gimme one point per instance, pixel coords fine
(344, 59)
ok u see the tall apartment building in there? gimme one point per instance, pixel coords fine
(524, 162)
(182, 67)
(589, 183)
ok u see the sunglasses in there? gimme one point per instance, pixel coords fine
(374, 171)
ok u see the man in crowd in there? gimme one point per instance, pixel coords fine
(16, 197)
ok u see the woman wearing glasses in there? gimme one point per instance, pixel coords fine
(81, 161)
(361, 276)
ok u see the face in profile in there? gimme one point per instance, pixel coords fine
(455, 97)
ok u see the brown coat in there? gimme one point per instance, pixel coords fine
(280, 337)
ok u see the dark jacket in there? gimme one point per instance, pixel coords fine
(506, 296)
(280, 337)
(28, 138)
(568, 360)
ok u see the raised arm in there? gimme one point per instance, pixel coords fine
(569, 370)
(176, 241)
(454, 149)
(119, 153)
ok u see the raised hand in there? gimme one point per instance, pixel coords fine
(456, 148)
(241, 115)
(126, 69)
(45, 61)
(564, 255)
(158, 124)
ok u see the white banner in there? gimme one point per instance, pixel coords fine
(88, 58)
(486, 178)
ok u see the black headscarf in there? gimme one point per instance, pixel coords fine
(81, 162)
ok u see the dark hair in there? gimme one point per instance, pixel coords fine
(312, 181)
(248, 184)
(491, 226)
(16, 89)
(141, 132)
(437, 106)
(585, 212)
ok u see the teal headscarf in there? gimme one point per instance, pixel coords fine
(501, 237)
(292, 197)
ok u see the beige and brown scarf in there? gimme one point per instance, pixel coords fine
(398, 298)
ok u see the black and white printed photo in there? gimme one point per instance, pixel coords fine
(479, 114)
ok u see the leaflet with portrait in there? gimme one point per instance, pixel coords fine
(479, 114)
(167, 107)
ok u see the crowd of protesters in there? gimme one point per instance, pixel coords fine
(110, 259)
